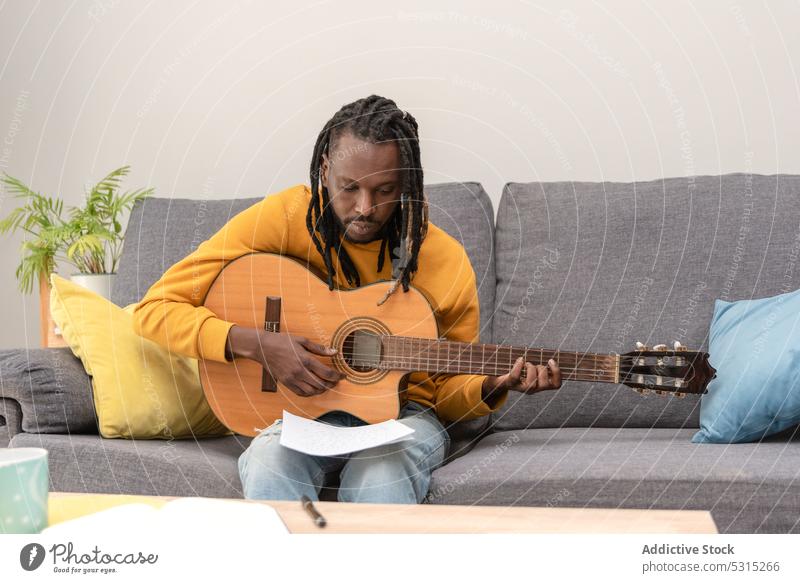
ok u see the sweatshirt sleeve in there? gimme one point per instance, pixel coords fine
(458, 397)
(171, 312)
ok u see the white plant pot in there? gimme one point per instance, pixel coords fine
(99, 283)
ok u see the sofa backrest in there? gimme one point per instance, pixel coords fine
(162, 231)
(598, 266)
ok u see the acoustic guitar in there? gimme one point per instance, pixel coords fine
(379, 345)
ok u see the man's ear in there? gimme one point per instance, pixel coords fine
(323, 170)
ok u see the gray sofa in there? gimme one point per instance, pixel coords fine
(576, 266)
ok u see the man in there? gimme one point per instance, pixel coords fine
(366, 198)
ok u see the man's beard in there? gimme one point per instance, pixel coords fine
(379, 233)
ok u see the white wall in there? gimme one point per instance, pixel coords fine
(226, 98)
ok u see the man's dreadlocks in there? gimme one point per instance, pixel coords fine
(374, 119)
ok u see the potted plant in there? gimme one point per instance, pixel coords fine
(88, 237)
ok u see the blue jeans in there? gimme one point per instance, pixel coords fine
(397, 473)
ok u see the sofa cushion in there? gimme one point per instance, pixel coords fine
(598, 266)
(753, 344)
(90, 463)
(51, 388)
(752, 488)
(141, 389)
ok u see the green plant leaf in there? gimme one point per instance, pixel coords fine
(90, 237)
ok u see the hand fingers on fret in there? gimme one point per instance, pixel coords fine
(512, 377)
(516, 370)
(544, 378)
(555, 373)
(531, 380)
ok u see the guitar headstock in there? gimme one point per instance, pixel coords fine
(679, 371)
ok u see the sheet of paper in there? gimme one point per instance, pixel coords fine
(186, 516)
(316, 438)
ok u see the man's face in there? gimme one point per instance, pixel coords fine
(364, 183)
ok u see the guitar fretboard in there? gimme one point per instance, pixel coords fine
(444, 356)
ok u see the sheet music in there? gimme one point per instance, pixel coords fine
(316, 438)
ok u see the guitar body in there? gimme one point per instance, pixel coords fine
(236, 391)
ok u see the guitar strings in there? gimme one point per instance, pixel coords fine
(425, 353)
(427, 359)
(565, 361)
(570, 373)
(569, 365)
(400, 360)
(465, 350)
(425, 344)
(597, 366)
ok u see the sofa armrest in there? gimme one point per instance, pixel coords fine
(51, 390)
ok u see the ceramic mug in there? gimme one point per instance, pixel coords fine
(24, 486)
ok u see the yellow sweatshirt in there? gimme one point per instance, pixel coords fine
(172, 315)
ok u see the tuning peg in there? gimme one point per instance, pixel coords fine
(679, 395)
(641, 391)
(642, 348)
(659, 360)
(659, 393)
(679, 360)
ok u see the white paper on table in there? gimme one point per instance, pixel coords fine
(187, 516)
(316, 438)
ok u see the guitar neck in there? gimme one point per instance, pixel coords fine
(444, 356)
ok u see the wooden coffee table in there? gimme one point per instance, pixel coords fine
(430, 518)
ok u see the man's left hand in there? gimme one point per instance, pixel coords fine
(537, 378)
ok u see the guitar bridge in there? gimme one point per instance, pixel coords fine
(272, 323)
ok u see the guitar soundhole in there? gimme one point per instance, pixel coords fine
(361, 350)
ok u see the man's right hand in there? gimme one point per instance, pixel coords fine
(290, 359)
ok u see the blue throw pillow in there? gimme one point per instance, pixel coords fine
(755, 347)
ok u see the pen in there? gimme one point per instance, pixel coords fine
(309, 507)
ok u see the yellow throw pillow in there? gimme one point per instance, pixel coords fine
(141, 390)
